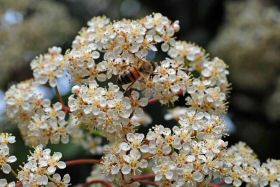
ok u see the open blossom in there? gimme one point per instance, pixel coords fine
(133, 162)
(58, 181)
(47, 68)
(134, 141)
(5, 158)
(165, 168)
(6, 139)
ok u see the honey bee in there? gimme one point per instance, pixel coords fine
(134, 73)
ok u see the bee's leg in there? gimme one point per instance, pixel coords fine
(128, 88)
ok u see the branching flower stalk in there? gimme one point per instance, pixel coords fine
(115, 78)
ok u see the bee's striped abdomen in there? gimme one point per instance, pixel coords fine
(129, 77)
(135, 74)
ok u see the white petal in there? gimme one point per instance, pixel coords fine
(126, 169)
(115, 170)
(66, 178)
(6, 168)
(12, 159)
(61, 165)
(124, 146)
(51, 169)
(3, 182)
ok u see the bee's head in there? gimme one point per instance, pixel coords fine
(148, 68)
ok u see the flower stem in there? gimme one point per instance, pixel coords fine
(147, 182)
(153, 100)
(82, 161)
(64, 107)
(141, 177)
(103, 182)
(14, 173)
(219, 184)
(19, 184)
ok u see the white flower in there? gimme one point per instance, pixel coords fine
(6, 138)
(134, 162)
(134, 142)
(164, 169)
(4, 183)
(111, 164)
(58, 181)
(5, 158)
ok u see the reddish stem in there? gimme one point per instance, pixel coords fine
(65, 108)
(103, 182)
(147, 182)
(141, 177)
(18, 184)
(219, 184)
(153, 100)
(82, 161)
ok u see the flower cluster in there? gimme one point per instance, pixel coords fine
(23, 100)
(104, 109)
(120, 43)
(170, 78)
(241, 165)
(41, 166)
(115, 79)
(48, 125)
(36, 119)
(47, 68)
(197, 141)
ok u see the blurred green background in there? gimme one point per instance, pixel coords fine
(246, 34)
